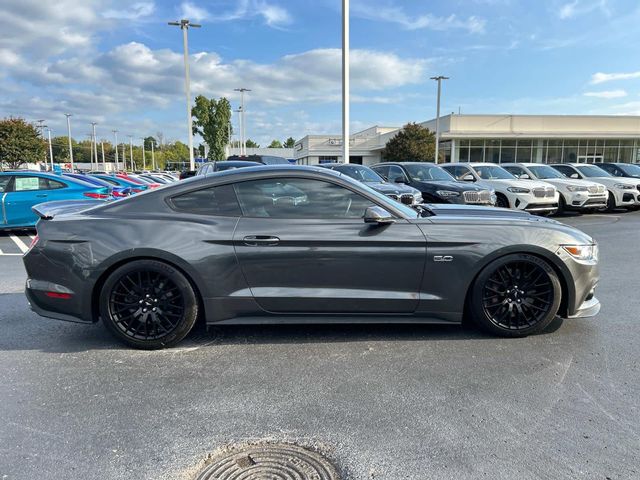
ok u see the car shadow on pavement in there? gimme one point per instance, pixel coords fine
(21, 329)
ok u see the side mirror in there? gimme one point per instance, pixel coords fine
(524, 176)
(468, 178)
(399, 180)
(378, 215)
(575, 175)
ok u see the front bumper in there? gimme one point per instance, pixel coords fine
(589, 308)
(586, 201)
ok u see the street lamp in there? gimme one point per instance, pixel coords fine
(50, 148)
(243, 138)
(184, 25)
(438, 79)
(95, 144)
(144, 160)
(133, 166)
(115, 134)
(345, 82)
(70, 143)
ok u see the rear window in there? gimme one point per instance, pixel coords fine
(216, 201)
(4, 182)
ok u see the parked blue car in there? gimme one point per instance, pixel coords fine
(19, 191)
(116, 190)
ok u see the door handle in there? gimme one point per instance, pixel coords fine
(41, 195)
(255, 240)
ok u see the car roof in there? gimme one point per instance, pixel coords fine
(406, 163)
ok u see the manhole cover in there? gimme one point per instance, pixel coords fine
(269, 462)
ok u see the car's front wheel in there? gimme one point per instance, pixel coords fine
(515, 296)
(148, 304)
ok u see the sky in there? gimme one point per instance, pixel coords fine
(119, 64)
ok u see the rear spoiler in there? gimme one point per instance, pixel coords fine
(48, 210)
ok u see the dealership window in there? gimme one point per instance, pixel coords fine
(327, 159)
(492, 151)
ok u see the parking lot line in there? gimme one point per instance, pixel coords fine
(21, 245)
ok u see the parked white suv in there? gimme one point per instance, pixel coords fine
(623, 192)
(530, 195)
(575, 194)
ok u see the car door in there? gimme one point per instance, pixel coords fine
(26, 191)
(568, 171)
(5, 180)
(515, 170)
(303, 247)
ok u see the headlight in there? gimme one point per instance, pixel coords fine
(518, 190)
(447, 193)
(577, 188)
(622, 186)
(582, 252)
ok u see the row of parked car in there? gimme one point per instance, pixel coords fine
(20, 190)
(533, 187)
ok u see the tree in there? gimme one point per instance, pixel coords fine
(414, 143)
(148, 141)
(19, 143)
(251, 144)
(212, 121)
(275, 144)
(289, 143)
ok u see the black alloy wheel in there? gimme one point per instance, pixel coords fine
(502, 201)
(148, 304)
(516, 295)
(611, 202)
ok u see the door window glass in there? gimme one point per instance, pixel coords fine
(299, 198)
(4, 183)
(396, 174)
(23, 184)
(217, 201)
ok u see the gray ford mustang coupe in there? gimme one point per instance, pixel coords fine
(291, 244)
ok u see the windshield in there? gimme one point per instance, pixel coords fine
(360, 173)
(545, 171)
(592, 171)
(492, 172)
(630, 169)
(424, 173)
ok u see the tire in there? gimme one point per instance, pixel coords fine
(497, 306)
(562, 206)
(502, 201)
(148, 304)
(611, 203)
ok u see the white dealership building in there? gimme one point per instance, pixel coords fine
(497, 138)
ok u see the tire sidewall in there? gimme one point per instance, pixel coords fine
(190, 303)
(476, 305)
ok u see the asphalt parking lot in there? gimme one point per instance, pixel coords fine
(382, 402)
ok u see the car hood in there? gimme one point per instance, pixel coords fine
(611, 181)
(519, 183)
(495, 215)
(571, 181)
(453, 186)
(391, 188)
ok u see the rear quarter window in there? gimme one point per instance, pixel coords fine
(216, 201)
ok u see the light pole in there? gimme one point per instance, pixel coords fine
(50, 149)
(184, 25)
(438, 79)
(124, 158)
(239, 141)
(115, 134)
(346, 137)
(243, 120)
(133, 166)
(153, 158)
(41, 126)
(144, 160)
(69, 137)
(95, 143)
(104, 164)
(90, 136)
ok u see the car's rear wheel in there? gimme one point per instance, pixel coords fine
(611, 202)
(562, 206)
(516, 295)
(148, 304)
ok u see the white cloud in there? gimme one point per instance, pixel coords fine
(134, 12)
(607, 94)
(582, 7)
(396, 14)
(600, 77)
(272, 15)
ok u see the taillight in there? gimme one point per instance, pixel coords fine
(62, 296)
(137, 190)
(99, 196)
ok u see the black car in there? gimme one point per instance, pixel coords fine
(435, 183)
(223, 165)
(403, 193)
(237, 248)
(628, 170)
